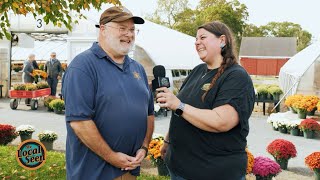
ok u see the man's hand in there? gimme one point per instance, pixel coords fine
(163, 150)
(122, 161)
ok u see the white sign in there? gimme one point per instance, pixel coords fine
(39, 24)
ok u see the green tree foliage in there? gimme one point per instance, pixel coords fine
(251, 30)
(280, 29)
(55, 11)
(167, 11)
(186, 20)
(289, 29)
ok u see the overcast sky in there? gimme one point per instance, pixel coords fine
(306, 13)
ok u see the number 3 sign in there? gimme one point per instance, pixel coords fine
(39, 23)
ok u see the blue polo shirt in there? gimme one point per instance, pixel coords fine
(117, 100)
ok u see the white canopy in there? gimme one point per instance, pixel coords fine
(42, 50)
(167, 47)
(301, 74)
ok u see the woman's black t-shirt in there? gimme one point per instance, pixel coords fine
(201, 155)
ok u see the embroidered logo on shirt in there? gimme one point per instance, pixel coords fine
(136, 75)
(206, 87)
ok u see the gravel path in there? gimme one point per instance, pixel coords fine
(261, 134)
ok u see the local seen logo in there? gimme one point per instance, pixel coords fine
(31, 154)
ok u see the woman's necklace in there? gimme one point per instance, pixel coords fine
(208, 71)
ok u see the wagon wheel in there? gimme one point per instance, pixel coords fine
(34, 104)
(13, 104)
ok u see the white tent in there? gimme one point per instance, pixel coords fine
(301, 74)
(42, 50)
(170, 48)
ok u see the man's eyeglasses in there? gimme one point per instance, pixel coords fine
(125, 31)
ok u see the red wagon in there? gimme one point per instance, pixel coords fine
(33, 95)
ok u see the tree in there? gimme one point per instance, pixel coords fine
(55, 11)
(167, 11)
(251, 30)
(232, 13)
(186, 20)
(288, 29)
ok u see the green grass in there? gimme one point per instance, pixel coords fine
(151, 177)
(53, 169)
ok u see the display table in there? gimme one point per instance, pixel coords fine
(264, 101)
(287, 117)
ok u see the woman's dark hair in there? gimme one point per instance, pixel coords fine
(228, 51)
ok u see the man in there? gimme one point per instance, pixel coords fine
(109, 106)
(28, 68)
(54, 71)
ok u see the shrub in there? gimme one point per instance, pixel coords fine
(57, 104)
(309, 125)
(25, 129)
(313, 160)
(41, 67)
(42, 85)
(282, 149)
(48, 136)
(19, 87)
(250, 161)
(30, 87)
(275, 90)
(154, 150)
(265, 167)
(7, 134)
(262, 90)
(48, 99)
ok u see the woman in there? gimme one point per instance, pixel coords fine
(209, 126)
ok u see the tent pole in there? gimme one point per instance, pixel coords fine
(284, 96)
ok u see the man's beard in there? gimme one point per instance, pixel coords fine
(117, 46)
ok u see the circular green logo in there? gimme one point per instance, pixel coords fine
(31, 154)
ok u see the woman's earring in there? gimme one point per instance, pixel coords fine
(222, 45)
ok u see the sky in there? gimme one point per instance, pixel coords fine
(306, 13)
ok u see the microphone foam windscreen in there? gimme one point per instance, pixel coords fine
(159, 71)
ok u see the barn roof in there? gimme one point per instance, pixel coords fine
(270, 47)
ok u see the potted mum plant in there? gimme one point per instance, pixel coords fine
(250, 162)
(265, 169)
(282, 126)
(290, 100)
(57, 105)
(25, 132)
(293, 127)
(309, 127)
(313, 162)
(282, 150)
(47, 137)
(262, 92)
(155, 155)
(275, 91)
(7, 134)
(47, 101)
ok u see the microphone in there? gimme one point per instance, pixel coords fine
(159, 73)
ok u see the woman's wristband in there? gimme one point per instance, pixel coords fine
(165, 141)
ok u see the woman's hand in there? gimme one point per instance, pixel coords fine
(167, 99)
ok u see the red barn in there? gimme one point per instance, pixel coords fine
(266, 55)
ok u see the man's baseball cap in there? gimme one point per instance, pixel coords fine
(118, 14)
